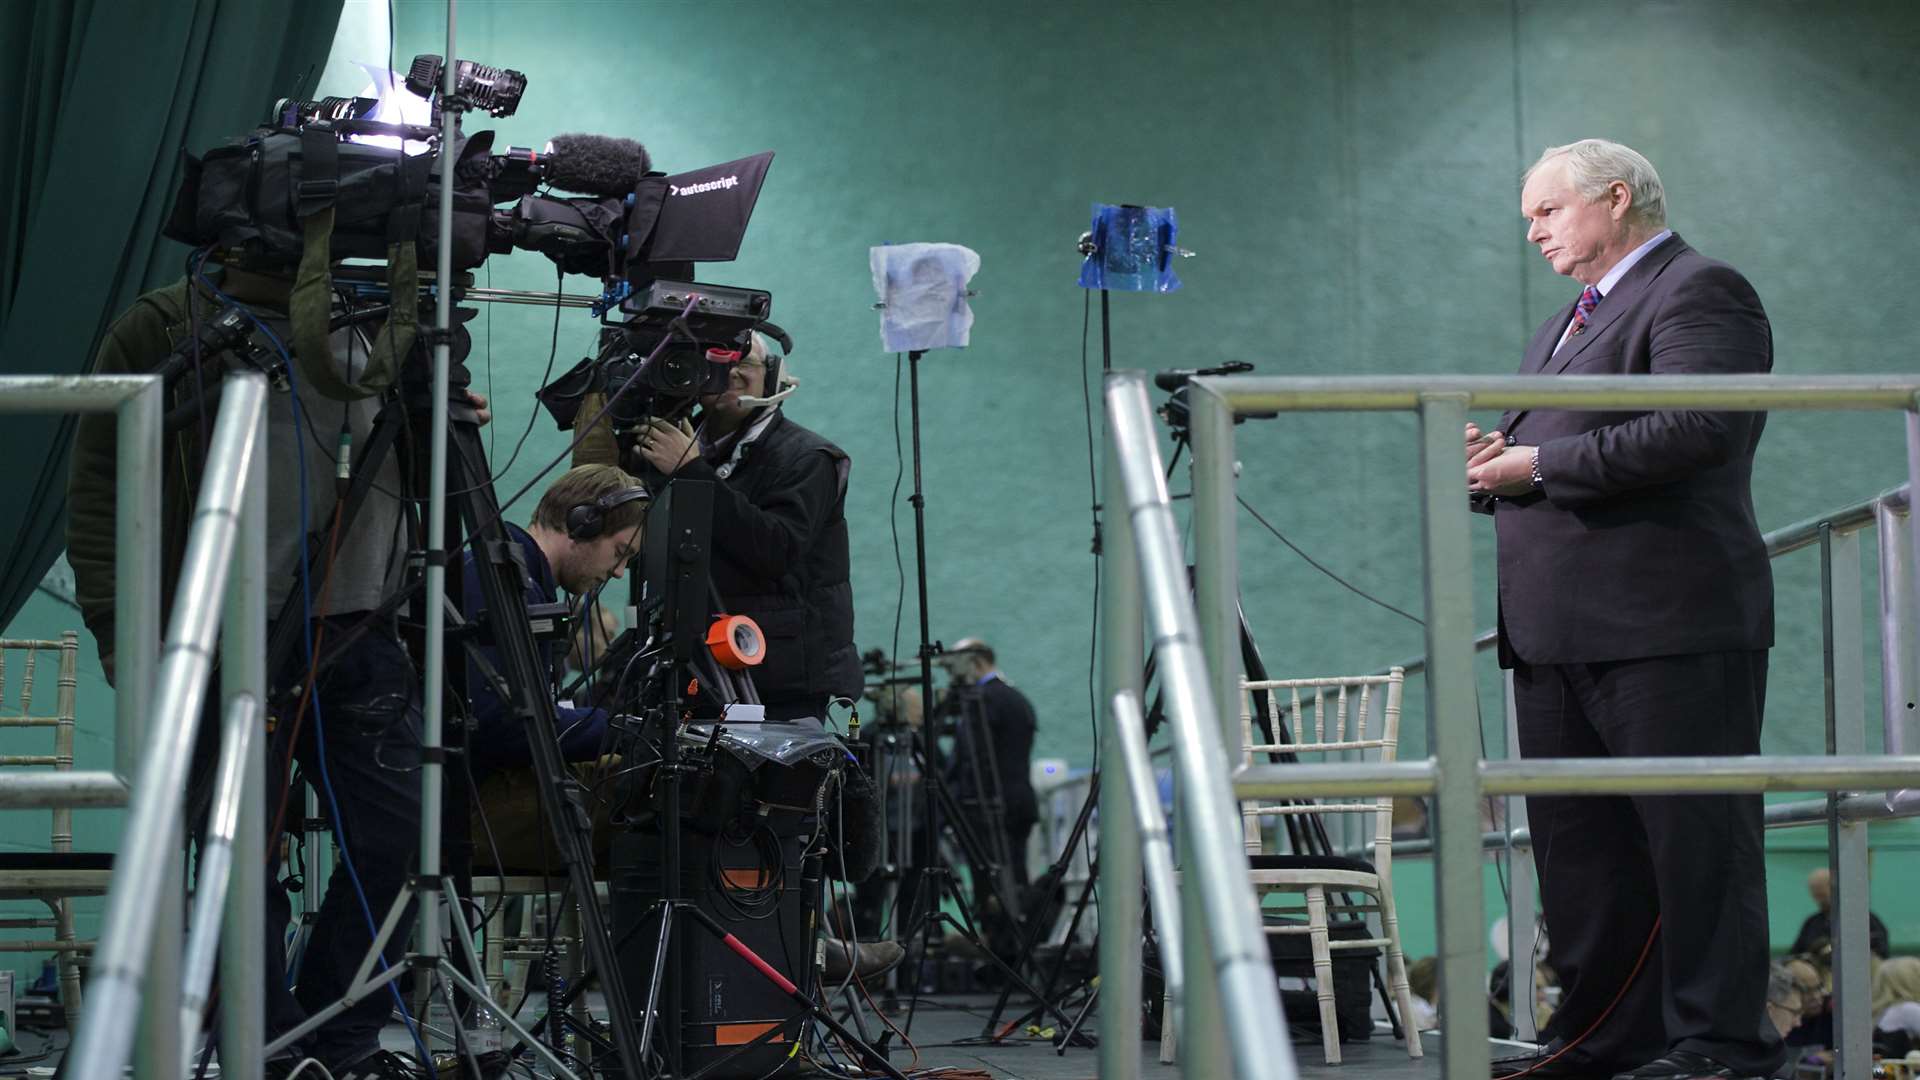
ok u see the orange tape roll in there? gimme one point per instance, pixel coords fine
(736, 642)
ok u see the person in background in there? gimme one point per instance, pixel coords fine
(1817, 931)
(586, 528)
(355, 732)
(1896, 1001)
(1423, 979)
(780, 547)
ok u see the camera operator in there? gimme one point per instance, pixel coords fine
(991, 765)
(779, 531)
(362, 712)
(585, 530)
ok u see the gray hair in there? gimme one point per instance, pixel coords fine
(1592, 164)
(1782, 987)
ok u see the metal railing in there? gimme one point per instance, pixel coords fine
(1890, 513)
(1231, 1004)
(138, 977)
(1454, 774)
(135, 401)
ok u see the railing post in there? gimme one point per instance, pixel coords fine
(1522, 928)
(1130, 733)
(243, 672)
(1236, 961)
(136, 574)
(1453, 733)
(159, 1052)
(1216, 577)
(1845, 666)
(1121, 670)
(1899, 657)
(1912, 552)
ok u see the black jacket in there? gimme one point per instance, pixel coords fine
(500, 736)
(1642, 541)
(995, 733)
(780, 558)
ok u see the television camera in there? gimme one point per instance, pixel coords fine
(329, 180)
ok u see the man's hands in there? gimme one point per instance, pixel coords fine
(479, 403)
(667, 445)
(1496, 468)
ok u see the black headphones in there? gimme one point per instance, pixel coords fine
(774, 359)
(586, 520)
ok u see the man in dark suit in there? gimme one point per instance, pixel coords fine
(1636, 611)
(990, 774)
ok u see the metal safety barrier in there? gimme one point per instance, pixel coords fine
(140, 983)
(1833, 531)
(1454, 774)
(1230, 1011)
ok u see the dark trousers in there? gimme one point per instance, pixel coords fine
(366, 713)
(1610, 866)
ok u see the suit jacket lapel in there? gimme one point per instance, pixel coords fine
(1539, 351)
(1625, 293)
(1542, 360)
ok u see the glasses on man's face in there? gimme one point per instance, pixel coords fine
(751, 365)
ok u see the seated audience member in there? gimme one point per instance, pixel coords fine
(1423, 979)
(1896, 998)
(1787, 999)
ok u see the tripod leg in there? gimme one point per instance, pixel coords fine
(364, 981)
(452, 974)
(1037, 920)
(978, 758)
(923, 915)
(947, 808)
(1060, 959)
(462, 1047)
(1005, 968)
(658, 977)
(1066, 1037)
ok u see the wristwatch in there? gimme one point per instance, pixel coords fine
(1537, 482)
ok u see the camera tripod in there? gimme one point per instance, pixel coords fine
(973, 745)
(500, 572)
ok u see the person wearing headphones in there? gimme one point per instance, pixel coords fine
(779, 530)
(584, 531)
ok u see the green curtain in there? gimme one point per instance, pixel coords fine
(97, 100)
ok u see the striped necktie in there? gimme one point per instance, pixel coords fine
(1589, 299)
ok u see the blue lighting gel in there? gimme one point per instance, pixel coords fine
(1133, 249)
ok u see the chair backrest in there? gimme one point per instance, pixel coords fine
(1328, 719)
(20, 667)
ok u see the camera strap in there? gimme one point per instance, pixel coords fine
(310, 305)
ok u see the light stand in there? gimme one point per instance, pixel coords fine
(936, 880)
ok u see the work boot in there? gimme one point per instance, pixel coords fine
(867, 959)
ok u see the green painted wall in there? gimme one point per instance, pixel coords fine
(1348, 174)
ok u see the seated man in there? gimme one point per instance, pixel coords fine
(584, 531)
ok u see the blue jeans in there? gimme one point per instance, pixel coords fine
(366, 713)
